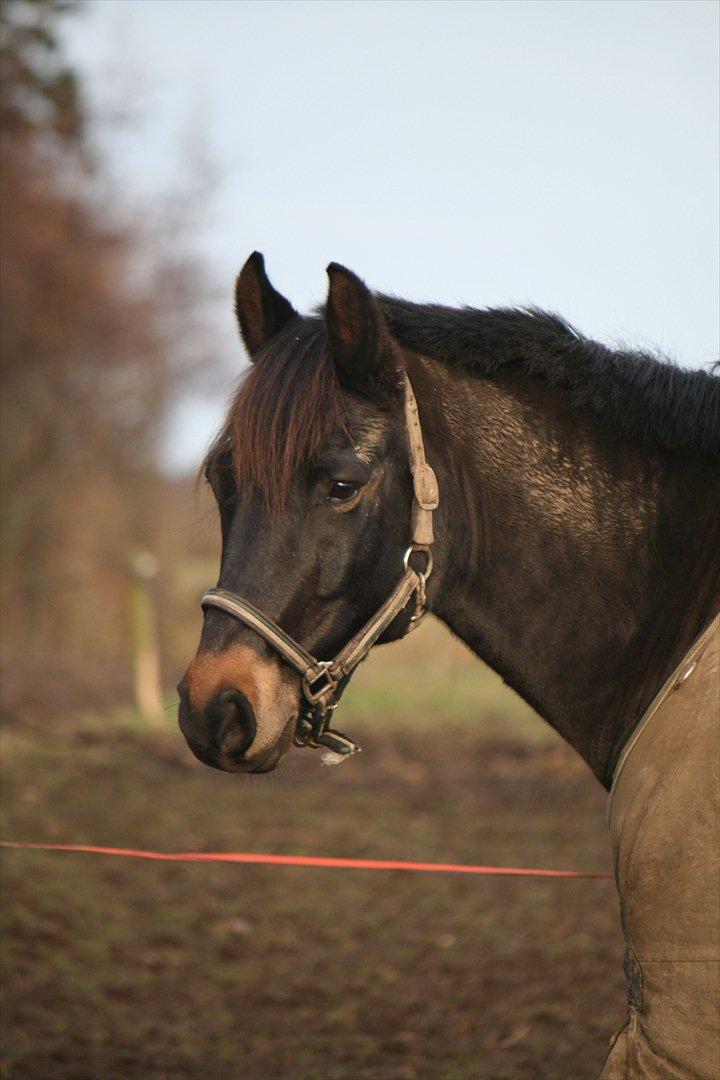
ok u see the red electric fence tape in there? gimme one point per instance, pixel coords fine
(306, 860)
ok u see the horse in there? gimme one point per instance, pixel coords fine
(551, 500)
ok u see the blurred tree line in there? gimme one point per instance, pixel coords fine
(100, 329)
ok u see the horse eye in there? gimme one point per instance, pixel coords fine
(342, 491)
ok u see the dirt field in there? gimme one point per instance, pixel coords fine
(131, 969)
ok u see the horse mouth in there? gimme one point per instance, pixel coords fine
(266, 767)
(268, 763)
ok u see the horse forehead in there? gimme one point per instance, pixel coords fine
(370, 430)
(369, 442)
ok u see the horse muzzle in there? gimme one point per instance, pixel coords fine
(237, 724)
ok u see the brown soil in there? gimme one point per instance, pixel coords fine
(130, 969)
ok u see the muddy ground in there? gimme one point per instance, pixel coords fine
(136, 969)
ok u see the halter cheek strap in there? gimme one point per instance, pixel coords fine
(321, 678)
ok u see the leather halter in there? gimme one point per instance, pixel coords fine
(322, 679)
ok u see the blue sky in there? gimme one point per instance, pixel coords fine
(557, 153)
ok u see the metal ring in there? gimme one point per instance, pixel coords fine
(423, 549)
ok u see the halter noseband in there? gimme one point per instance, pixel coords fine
(321, 679)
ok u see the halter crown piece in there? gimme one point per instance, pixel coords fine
(322, 680)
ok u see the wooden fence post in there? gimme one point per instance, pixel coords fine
(145, 647)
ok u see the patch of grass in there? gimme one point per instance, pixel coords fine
(430, 675)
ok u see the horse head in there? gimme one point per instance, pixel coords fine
(311, 476)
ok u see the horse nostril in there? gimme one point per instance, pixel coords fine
(236, 726)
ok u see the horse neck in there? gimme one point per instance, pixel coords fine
(577, 564)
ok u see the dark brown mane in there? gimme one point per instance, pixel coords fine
(286, 407)
(650, 399)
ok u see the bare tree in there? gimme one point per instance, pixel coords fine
(93, 324)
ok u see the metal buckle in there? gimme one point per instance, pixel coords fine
(313, 693)
(312, 728)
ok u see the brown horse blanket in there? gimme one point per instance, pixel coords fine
(665, 835)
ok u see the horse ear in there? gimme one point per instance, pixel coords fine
(261, 310)
(365, 355)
